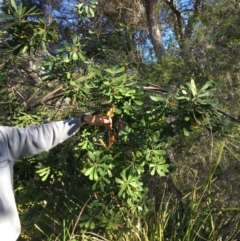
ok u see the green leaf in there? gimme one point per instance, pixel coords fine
(162, 170)
(193, 87)
(90, 155)
(119, 181)
(153, 171)
(24, 10)
(206, 86)
(20, 9)
(185, 132)
(130, 92)
(24, 50)
(13, 3)
(74, 56)
(65, 58)
(109, 71)
(92, 225)
(184, 92)
(91, 12)
(32, 11)
(122, 189)
(87, 172)
(16, 15)
(138, 102)
(213, 102)
(42, 170)
(91, 175)
(207, 93)
(44, 178)
(121, 78)
(74, 38)
(68, 75)
(156, 98)
(95, 174)
(120, 70)
(81, 56)
(182, 98)
(85, 145)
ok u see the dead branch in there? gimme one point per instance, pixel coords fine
(50, 96)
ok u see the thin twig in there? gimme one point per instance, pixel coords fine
(228, 115)
(80, 214)
(14, 89)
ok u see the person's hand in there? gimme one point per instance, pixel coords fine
(98, 120)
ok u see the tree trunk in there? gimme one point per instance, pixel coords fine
(198, 6)
(154, 31)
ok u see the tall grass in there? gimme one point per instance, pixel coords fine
(199, 215)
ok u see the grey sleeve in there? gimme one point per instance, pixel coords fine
(36, 139)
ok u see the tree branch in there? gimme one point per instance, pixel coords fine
(154, 88)
(50, 96)
(177, 20)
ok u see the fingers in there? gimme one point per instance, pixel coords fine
(106, 121)
(96, 120)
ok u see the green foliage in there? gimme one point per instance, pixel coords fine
(86, 9)
(190, 108)
(25, 35)
(98, 184)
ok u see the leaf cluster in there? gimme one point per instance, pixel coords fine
(26, 31)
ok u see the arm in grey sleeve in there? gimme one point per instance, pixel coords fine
(36, 139)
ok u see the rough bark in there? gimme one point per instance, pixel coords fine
(154, 30)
